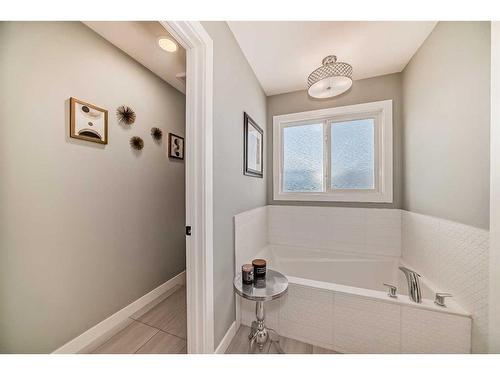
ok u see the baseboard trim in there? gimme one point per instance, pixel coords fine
(226, 340)
(119, 320)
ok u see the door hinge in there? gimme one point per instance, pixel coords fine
(188, 230)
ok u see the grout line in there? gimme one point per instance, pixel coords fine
(148, 340)
(159, 329)
(152, 307)
(173, 290)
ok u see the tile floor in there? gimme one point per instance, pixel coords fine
(239, 345)
(160, 329)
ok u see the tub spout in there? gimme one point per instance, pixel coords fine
(414, 290)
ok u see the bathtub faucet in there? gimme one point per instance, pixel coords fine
(413, 284)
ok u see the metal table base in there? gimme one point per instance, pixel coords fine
(259, 333)
(274, 286)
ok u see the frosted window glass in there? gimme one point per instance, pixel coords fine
(303, 158)
(352, 152)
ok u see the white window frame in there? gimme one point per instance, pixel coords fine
(381, 112)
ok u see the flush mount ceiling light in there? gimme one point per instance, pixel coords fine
(167, 44)
(331, 79)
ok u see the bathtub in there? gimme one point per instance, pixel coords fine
(348, 273)
(336, 298)
(337, 301)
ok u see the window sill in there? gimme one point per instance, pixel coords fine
(365, 197)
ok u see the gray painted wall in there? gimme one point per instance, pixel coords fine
(446, 91)
(362, 91)
(85, 229)
(236, 90)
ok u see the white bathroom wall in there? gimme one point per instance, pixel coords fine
(359, 230)
(455, 257)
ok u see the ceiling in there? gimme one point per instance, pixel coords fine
(139, 39)
(283, 53)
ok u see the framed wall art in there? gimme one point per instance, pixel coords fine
(88, 122)
(175, 146)
(253, 148)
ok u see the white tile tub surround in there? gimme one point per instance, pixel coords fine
(359, 230)
(455, 257)
(349, 323)
(346, 319)
(250, 237)
(424, 331)
(307, 313)
(251, 228)
(366, 326)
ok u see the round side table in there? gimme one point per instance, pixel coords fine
(272, 287)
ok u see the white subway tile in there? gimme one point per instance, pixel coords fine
(365, 326)
(455, 257)
(424, 331)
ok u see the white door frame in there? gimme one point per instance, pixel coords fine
(494, 259)
(199, 199)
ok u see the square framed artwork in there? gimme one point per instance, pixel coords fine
(253, 148)
(88, 122)
(175, 146)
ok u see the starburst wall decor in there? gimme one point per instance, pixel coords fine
(156, 133)
(125, 115)
(136, 143)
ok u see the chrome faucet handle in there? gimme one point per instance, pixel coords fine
(439, 300)
(391, 292)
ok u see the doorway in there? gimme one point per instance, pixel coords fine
(199, 209)
(198, 193)
(153, 122)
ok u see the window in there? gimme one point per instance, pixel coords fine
(352, 148)
(337, 154)
(303, 158)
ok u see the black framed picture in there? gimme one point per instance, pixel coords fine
(175, 146)
(253, 148)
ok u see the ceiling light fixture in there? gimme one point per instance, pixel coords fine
(331, 79)
(167, 44)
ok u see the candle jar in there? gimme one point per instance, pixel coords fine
(247, 274)
(259, 268)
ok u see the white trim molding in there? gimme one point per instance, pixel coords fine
(226, 340)
(199, 185)
(494, 248)
(380, 112)
(102, 331)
